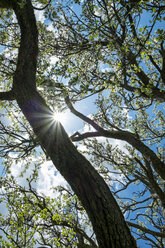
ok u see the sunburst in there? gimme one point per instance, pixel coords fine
(59, 116)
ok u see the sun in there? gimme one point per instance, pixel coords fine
(59, 116)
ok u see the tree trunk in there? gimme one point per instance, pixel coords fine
(108, 222)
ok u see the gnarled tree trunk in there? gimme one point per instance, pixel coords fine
(108, 222)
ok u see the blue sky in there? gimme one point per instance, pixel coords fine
(71, 123)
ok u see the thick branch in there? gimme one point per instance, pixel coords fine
(83, 117)
(7, 4)
(157, 189)
(9, 95)
(127, 136)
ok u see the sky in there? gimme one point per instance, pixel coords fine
(87, 107)
(48, 175)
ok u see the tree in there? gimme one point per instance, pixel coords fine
(100, 53)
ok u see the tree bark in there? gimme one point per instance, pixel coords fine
(108, 222)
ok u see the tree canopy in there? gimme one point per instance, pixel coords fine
(61, 55)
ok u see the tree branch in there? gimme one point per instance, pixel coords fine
(9, 95)
(36, 8)
(78, 136)
(127, 136)
(81, 116)
(7, 4)
(146, 230)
